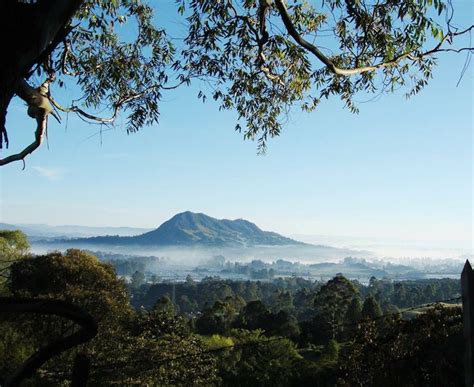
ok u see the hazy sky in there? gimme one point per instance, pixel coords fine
(400, 169)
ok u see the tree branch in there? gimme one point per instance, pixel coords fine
(50, 307)
(40, 105)
(64, 57)
(291, 29)
(117, 105)
(38, 108)
(34, 29)
(261, 38)
(103, 120)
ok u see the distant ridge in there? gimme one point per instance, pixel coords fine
(71, 231)
(196, 229)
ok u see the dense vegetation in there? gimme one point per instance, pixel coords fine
(287, 331)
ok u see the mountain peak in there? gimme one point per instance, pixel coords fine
(188, 215)
(190, 228)
(197, 229)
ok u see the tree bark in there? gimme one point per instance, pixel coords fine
(30, 30)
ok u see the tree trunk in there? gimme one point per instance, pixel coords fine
(31, 29)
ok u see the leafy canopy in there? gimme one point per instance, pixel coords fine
(257, 57)
(14, 245)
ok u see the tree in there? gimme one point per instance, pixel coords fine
(149, 361)
(353, 313)
(332, 302)
(371, 309)
(332, 350)
(424, 351)
(130, 348)
(160, 322)
(217, 319)
(352, 317)
(400, 295)
(256, 69)
(189, 280)
(257, 360)
(165, 305)
(138, 279)
(76, 277)
(281, 300)
(255, 315)
(74, 289)
(284, 324)
(13, 246)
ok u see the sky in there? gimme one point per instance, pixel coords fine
(400, 170)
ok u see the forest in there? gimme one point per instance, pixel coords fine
(284, 332)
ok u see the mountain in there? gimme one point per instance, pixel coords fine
(192, 229)
(37, 231)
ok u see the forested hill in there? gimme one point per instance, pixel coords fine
(193, 229)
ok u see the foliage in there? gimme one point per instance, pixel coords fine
(371, 309)
(126, 67)
(254, 57)
(217, 319)
(332, 302)
(13, 246)
(160, 321)
(14, 346)
(131, 347)
(427, 350)
(160, 346)
(353, 314)
(144, 360)
(257, 360)
(13, 243)
(217, 342)
(260, 71)
(196, 296)
(75, 276)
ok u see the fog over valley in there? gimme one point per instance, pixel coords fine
(197, 244)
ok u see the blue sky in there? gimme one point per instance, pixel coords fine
(400, 169)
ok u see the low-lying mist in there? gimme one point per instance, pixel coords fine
(191, 256)
(260, 263)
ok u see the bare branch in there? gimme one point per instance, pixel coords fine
(117, 106)
(271, 76)
(83, 113)
(38, 108)
(41, 103)
(40, 130)
(64, 57)
(103, 120)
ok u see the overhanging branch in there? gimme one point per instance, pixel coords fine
(261, 37)
(38, 108)
(291, 29)
(59, 308)
(102, 120)
(40, 105)
(118, 105)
